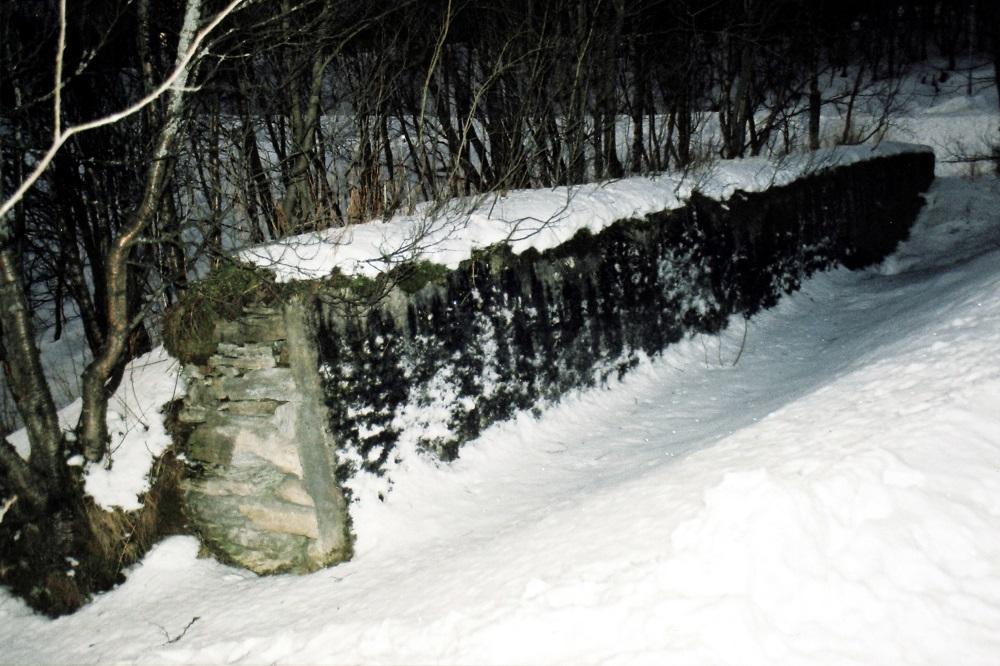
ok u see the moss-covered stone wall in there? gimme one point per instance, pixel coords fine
(509, 332)
(429, 358)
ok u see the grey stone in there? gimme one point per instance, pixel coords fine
(269, 552)
(192, 414)
(259, 551)
(246, 357)
(263, 327)
(224, 371)
(268, 384)
(237, 440)
(246, 480)
(281, 353)
(258, 310)
(252, 530)
(211, 443)
(261, 408)
(291, 489)
(271, 439)
(227, 331)
(197, 391)
(313, 440)
(228, 349)
(273, 515)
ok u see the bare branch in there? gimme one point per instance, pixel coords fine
(57, 90)
(61, 137)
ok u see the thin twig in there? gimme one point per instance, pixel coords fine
(61, 137)
(743, 342)
(179, 636)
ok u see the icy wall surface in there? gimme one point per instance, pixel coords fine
(303, 395)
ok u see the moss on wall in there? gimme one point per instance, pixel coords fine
(192, 330)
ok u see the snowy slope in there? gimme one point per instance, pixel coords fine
(834, 497)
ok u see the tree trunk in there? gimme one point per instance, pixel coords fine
(299, 204)
(56, 546)
(26, 379)
(741, 109)
(993, 16)
(846, 136)
(92, 427)
(815, 105)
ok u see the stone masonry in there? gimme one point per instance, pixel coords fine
(303, 394)
(261, 492)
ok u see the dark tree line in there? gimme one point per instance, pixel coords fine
(304, 114)
(420, 101)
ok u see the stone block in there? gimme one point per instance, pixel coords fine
(228, 535)
(262, 327)
(291, 489)
(198, 391)
(281, 353)
(245, 357)
(228, 349)
(246, 480)
(273, 515)
(227, 331)
(271, 439)
(192, 414)
(269, 384)
(261, 408)
(210, 443)
(267, 552)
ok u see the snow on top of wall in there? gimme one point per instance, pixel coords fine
(539, 219)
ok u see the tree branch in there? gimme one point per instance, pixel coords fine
(57, 91)
(61, 137)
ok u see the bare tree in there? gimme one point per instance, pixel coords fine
(48, 520)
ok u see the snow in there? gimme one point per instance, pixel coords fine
(834, 497)
(538, 219)
(825, 489)
(135, 424)
(943, 115)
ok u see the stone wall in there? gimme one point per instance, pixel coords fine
(299, 397)
(261, 487)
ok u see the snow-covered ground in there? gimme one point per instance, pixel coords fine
(135, 425)
(824, 489)
(834, 497)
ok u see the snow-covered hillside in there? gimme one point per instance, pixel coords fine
(834, 497)
(820, 484)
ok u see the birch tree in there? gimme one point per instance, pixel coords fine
(46, 523)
